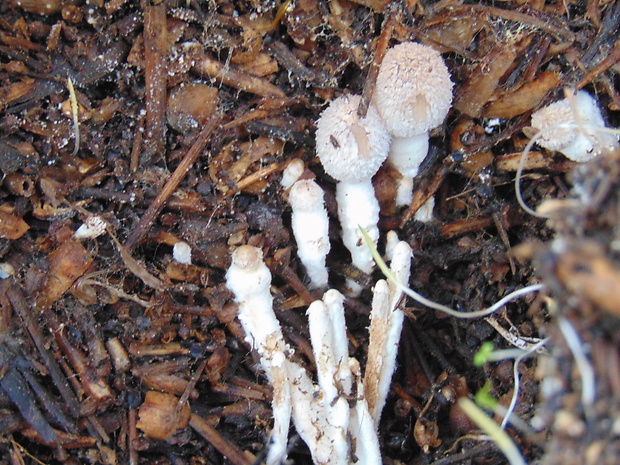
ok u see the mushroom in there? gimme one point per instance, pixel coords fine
(311, 229)
(351, 150)
(574, 126)
(182, 253)
(413, 95)
(250, 280)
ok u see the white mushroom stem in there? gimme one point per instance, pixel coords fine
(351, 150)
(328, 442)
(311, 229)
(406, 155)
(358, 206)
(385, 328)
(361, 426)
(249, 279)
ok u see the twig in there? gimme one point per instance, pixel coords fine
(225, 447)
(193, 153)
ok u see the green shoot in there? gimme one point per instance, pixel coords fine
(498, 435)
(484, 399)
(482, 356)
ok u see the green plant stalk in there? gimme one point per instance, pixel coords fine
(498, 435)
(429, 303)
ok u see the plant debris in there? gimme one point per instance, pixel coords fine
(147, 124)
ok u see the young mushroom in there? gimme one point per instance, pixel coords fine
(351, 150)
(413, 95)
(311, 229)
(574, 126)
(250, 280)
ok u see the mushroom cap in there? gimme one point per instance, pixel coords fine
(247, 257)
(569, 126)
(351, 148)
(306, 195)
(413, 92)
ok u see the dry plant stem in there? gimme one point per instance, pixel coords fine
(25, 312)
(421, 196)
(603, 66)
(518, 17)
(158, 203)
(76, 117)
(382, 45)
(156, 72)
(136, 147)
(132, 436)
(225, 447)
(233, 77)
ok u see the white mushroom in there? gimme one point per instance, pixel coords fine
(182, 253)
(351, 150)
(574, 126)
(386, 321)
(311, 229)
(292, 172)
(413, 94)
(249, 279)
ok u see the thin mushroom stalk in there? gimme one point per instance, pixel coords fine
(311, 230)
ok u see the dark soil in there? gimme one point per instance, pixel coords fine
(89, 327)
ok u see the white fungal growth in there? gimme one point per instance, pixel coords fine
(351, 150)
(338, 418)
(311, 229)
(249, 279)
(575, 127)
(413, 94)
(292, 172)
(93, 227)
(385, 327)
(358, 207)
(182, 253)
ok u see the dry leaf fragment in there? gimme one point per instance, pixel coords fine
(12, 227)
(67, 263)
(483, 81)
(160, 416)
(523, 99)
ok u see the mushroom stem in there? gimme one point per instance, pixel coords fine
(311, 229)
(358, 207)
(406, 155)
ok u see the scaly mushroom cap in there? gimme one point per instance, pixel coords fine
(413, 92)
(351, 148)
(574, 135)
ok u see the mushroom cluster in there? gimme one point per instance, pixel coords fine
(334, 428)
